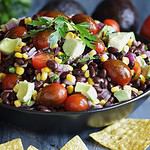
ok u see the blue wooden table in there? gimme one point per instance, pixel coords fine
(46, 141)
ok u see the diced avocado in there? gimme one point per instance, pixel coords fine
(123, 95)
(7, 45)
(120, 39)
(24, 90)
(88, 91)
(74, 47)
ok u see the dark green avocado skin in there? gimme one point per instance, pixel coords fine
(123, 11)
(69, 7)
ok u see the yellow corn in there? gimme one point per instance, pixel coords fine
(87, 74)
(115, 89)
(19, 70)
(132, 72)
(59, 61)
(38, 77)
(18, 47)
(70, 35)
(90, 81)
(28, 20)
(144, 56)
(126, 60)
(64, 85)
(92, 53)
(18, 55)
(70, 68)
(130, 42)
(34, 95)
(17, 103)
(45, 84)
(71, 78)
(104, 58)
(142, 78)
(70, 89)
(103, 102)
(60, 53)
(2, 75)
(15, 89)
(46, 69)
(25, 56)
(44, 76)
(84, 68)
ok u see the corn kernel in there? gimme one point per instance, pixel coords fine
(126, 60)
(92, 53)
(115, 89)
(18, 47)
(70, 68)
(38, 77)
(140, 92)
(71, 78)
(70, 89)
(17, 103)
(132, 72)
(59, 61)
(45, 84)
(103, 102)
(90, 81)
(44, 76)
(126, 49)
(60, 53)
(19, 70)
(85, 67)
(46, 69)
(130, 42)
(34, 95)
(87, 74)
(70, 35)
(25, 56)
(104, 58)
(16, 88)
(64, 85)
(28, 20)
(2, 75)
(18, 55)
(142, 78)
(144, 56)
(135, 90)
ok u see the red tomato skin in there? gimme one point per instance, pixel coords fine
(76, 103)
(119, 72)
(9, 81)
(40, 59)
(52, 95)
(145, 30)
(113, 23)
(17, 32)
(137, 70)
(100, 47)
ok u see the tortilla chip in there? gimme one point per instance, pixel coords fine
(32, 148)
(128, 134)
(15, 144)
(75, 143)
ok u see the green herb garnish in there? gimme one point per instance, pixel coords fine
(88, 58)
(54, 78)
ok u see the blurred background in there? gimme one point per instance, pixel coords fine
(19, 8)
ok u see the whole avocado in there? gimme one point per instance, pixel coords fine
(68, 7)
(123, 11)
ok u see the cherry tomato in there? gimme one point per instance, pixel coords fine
(100, 47)
(9, 81)
(17, 32)
(40, 59)
(52, 95)
(40, 41)
(79, 18)
(113, 23)
(145, 30)
(119, 72)
(137, 70)
(76, 102)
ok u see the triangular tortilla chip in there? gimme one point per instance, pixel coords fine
(32, 148)
(75, 143)
(128, 134)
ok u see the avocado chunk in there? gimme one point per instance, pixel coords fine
(24, 90)
(123, 95)
(88, 91)
(120, 39)
(73, 47)
(8, 46)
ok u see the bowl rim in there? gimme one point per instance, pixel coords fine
(66, 113)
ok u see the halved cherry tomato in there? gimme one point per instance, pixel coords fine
(40, 41)
(17, 32)
(79, 18)
(40, 59)
(76, 102)
(113, 23)
(100, 47)
(52, 95)
(145, 30)
(9, 81)
(137, 70)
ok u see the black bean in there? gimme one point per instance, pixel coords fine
(52, 64)
(19, 61)
(148, 46)
(137, 83)
(43, 108)
(38, 84)
(93, 65)
(63, 75)
(5, 95)
(1, 35)
(78, 72)
(134, 94)
(147, 83)
(131, 64)
(111, 100)
(143, 86)
(25, 49)
(102, 73)
(112, 50)
(81, 79)
(111, 56)
(98, 89)
(97, 79)
(92, 71)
